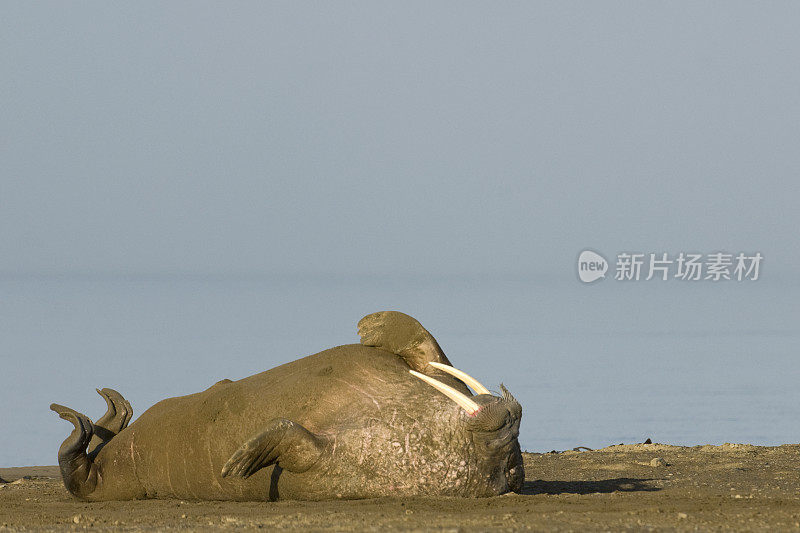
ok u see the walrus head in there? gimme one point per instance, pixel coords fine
(493, 425)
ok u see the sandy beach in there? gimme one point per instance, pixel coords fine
(639, 487)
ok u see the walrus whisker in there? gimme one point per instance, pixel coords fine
(468, 405)
(463, 376)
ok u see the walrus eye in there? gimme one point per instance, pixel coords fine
(461, 399)
(463, 376)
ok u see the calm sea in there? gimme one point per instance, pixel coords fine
(593, 365)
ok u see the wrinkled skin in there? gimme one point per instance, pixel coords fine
(348, 422)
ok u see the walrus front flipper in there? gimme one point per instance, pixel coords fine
(283, 442)
(117, 417)
(401, 334)
(77, 470)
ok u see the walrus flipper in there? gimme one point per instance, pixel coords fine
(399, 333)
(77, 470)
(117, 417)
(283, 442)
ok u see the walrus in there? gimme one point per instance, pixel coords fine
(387, 417)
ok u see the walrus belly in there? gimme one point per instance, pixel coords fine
(178, 447)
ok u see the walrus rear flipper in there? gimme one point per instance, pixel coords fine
(77, 470)
(117, 417)
(283, 442)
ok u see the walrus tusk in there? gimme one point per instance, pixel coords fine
(468, 405)
(463, 376)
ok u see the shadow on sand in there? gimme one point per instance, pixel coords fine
(622, 484)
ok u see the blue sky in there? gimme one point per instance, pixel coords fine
(377, 138)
